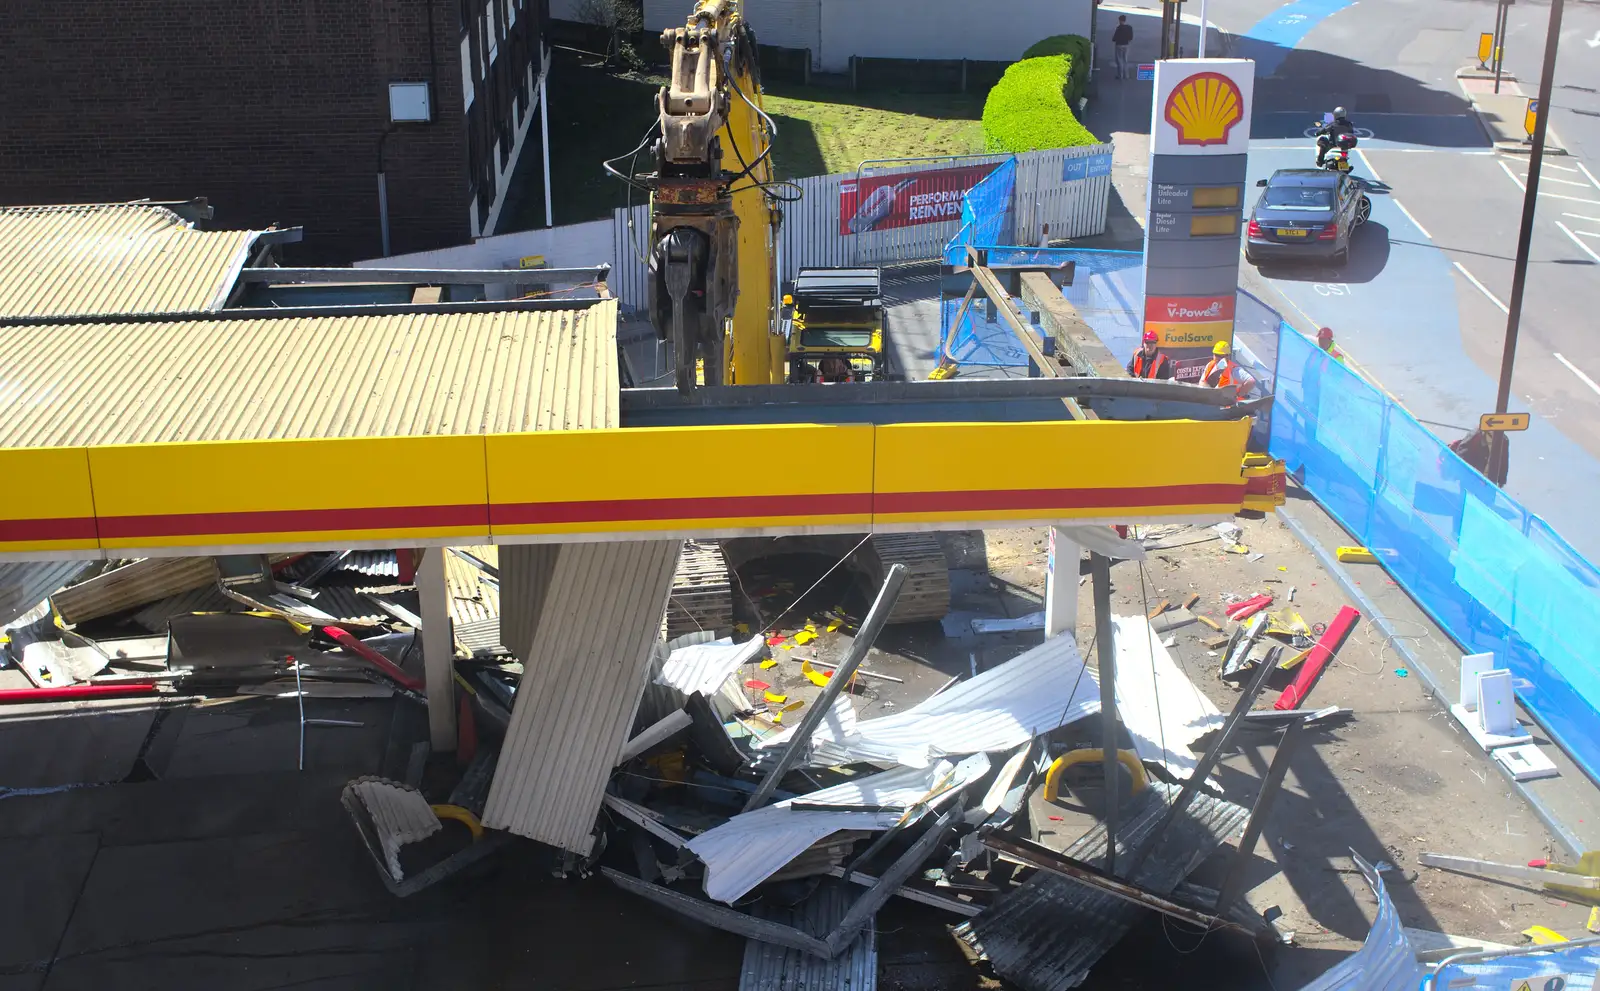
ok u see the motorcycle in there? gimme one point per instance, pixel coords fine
(1337, 160)
(1337, 156)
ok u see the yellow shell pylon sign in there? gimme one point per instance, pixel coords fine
(1204, 108)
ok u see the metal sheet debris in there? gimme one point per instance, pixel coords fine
(1040, 690)
(1386, 961)
(1162, 710)
(584, 670)
(753, 846)
(400, 815)
(704, 667)
(769, 967)
(1046, 934)
(25, 584)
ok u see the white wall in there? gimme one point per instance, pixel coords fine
(834, 30)
(572, 246)
(995, 31)
(783, 23)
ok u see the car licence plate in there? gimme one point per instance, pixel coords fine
(1291, 232)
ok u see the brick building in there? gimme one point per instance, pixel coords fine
(277, 111)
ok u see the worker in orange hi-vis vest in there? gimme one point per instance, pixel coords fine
(1222, 373)
(1149, 362)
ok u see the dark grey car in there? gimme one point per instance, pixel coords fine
(1306, 214)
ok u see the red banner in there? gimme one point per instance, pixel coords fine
(905, 199)
(1188, 309)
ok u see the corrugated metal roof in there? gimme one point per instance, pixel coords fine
(209, 598)
(473, 595)
(97, 259)
(753, 846)
(1046, 934)
(769, 967)
(404, 375)
(25, 584)
(1001, 709)
(400, 816)
(584, 672)
(1386, 961)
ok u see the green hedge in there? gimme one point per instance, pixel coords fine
(1074, 47)
(1027, 109)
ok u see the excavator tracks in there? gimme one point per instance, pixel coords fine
(926, 593)
(702, 591)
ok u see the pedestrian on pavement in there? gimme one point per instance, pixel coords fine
(1325, 342)
(1121, 38)
(1149, 362)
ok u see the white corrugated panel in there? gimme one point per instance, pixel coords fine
(525, 572)
(703, 667)
(1162, 710)
(400, 816)
(1002, 708)
(583, 675)
(753, 846)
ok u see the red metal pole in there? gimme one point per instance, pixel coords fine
(1318, 659)
(73, 693)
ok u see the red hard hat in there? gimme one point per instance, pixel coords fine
(1151, 337)
(1325, 333)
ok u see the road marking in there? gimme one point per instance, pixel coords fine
(1565, 182)
(1482, 288)
(1563, 168)
(1587, 174)
(1520, 184)
(1413, 220)
(1574, 199)
(1589, 233)
(1586, 249)
(1593, 42)
(1579, 216)
(1578, 372)
(1370, 167)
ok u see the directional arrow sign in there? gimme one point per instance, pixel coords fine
(1595, 41)
(1500, 422)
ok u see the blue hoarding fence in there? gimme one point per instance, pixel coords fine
(1491, 574)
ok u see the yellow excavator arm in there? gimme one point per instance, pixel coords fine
(713, 218)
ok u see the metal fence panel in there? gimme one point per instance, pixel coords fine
(810, 234)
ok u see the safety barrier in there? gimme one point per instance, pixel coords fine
(1555, 967)
(1490, 573)
(1067, 190)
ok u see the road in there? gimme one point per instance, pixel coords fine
(1421, 304)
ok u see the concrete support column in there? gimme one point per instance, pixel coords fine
(1061, 584)
(438, 649)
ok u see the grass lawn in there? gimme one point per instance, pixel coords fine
(596, 114)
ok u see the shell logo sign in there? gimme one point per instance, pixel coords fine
(1204, 108)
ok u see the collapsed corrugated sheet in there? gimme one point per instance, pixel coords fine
(310, 377)
(1001, 709)
(25, 584)
(769, 967)
(704, 667)
(157, 615)
(1162, 710)
(103, 258)
(1386, 961)
(134, 585)
(400, 816)
(749, 848)
(584, 671)
(1046, 934)
(525, 575)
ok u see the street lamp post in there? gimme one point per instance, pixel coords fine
(1498, 460)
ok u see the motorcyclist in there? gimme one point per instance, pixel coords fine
(1339, 132)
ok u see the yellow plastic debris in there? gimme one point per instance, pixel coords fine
(768, 663)
(742, 627)
(818, 678)
(777, 717)
(833, 626)
(1295, 660)
(1356, 555)
(1593, 924)
(796, 704)
(804, 637)
(1283, 567)
(1542, 936)
(777, 698)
